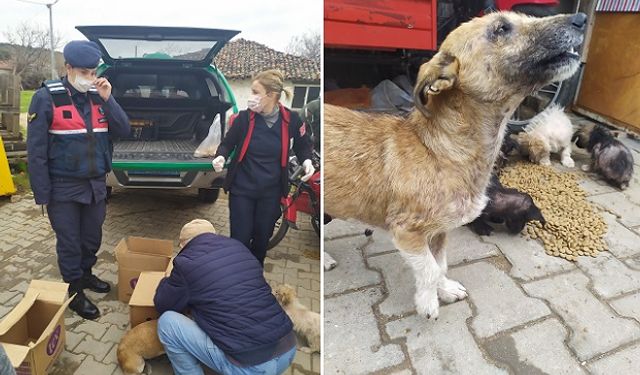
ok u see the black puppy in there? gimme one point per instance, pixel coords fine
(609, 157)
(508, 206)
(508, 146)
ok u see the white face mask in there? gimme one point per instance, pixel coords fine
(80, 83)
(255, 103)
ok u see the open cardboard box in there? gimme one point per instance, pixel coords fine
(138, 254)
(33, 333)
(141, 306)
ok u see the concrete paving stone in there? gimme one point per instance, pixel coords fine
(610, 276)
(300, 266)
(112, 356)
(443, 346)
(91, 366)
(527, 256)
(97, 348)
(381, 242)
(628, 306)
(315, 362)
(621, 241)
(113, 334)
(536, 349)
(315, 305)
(4, 310)
(68, 363)
(73, 339)
(402, 372)
(633, 191)
(340, 228)
(21, 287)
(621, 363)
(351, 272)
(594, 188)
(619, 204)
(633, 263)
(463, 246)
(400, 284)
(5, 296)
(315, 285)
(356, 347)
(500, 304)
(95, 329)
(595, 329)
(303, 359)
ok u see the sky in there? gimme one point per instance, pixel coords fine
(272, 23)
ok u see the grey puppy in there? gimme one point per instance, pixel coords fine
(609, 157)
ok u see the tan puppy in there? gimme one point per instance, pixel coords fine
(425, 174)
(138, 344)
(305, 322)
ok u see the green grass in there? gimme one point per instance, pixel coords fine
(25, 100)
(21, 177)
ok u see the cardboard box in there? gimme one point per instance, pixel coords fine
(138, 254)
(141, 306)
(33, 333)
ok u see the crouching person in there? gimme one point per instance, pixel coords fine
(236, 324)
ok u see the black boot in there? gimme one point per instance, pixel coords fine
(81, 304)
(91, 282)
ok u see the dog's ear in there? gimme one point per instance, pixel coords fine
(437, 75)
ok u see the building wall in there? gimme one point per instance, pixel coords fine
(242, 90)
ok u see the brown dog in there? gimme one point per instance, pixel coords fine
(305, 322)
(140, 343)
(421, 176)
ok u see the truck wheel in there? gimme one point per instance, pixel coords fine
(208, 195)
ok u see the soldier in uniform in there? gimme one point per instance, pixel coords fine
(71, 124)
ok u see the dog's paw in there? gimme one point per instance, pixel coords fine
(427, 303)
(545, 161)
(451, 291)
(568, 162)
(586, 168)
(329, 262)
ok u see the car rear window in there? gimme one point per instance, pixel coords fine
(161, 49)
(159, 86)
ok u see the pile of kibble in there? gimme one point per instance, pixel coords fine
(573, 227)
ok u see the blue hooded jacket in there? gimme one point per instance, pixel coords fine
(223, 285)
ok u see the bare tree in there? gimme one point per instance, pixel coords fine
(306, 45)
(28, 47)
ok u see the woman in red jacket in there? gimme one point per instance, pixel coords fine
(257, 178)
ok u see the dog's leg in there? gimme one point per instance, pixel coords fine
(565, 157)
(329, 262)
(448, 290)
(415, 250)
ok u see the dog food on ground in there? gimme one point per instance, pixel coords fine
(573, 228)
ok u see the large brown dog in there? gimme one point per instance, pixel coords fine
(421, 176)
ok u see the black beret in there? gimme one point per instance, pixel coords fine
(82, 54)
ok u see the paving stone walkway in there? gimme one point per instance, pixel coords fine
(27, 251)
(527, 313)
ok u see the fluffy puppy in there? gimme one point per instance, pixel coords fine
(305, 322)
(140, 343)
(609, 157)
(548, 132)
(509, 206)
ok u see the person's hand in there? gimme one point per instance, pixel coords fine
(104, 88)
(218, 163)
(308, 170)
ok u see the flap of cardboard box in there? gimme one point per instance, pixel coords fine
(50, 292)
(148, 246)
(146, 289)
(169, 266)
(16, 353)
(19, 311)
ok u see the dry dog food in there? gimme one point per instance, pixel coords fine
(573, 228)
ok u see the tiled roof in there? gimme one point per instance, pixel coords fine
(243, 58)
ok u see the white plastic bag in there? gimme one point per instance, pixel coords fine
(210, 144)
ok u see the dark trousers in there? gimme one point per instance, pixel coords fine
(253, 220)
(78, 230)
